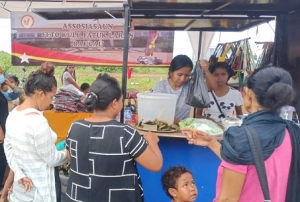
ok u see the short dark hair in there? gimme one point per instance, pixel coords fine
(272, 86)
(3, 84)
(213, 59)
(179, 62)
(102, 92)
(39, 80)
(84, 86)
(99, 76)
(223, 65)
(170, 177)
(15, 79)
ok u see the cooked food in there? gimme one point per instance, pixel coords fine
(158, 125)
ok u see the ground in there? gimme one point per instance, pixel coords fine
(142, 78)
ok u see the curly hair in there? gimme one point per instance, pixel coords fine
(170, 177)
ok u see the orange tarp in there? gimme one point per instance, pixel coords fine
(60, 122)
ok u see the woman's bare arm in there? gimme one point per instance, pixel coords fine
(8, 183)
(239, 110)
(73, 83)
(199, 113)
(232, 185)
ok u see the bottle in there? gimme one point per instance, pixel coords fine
(128, 116)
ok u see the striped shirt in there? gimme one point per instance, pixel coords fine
(30, 151)
(102, 162)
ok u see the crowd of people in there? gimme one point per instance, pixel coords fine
(104, 153)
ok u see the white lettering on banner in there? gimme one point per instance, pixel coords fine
(88, 44)
(87, 26)
(87, 35)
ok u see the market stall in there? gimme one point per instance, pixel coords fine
(189, 16)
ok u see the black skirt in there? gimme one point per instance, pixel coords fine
(57, 185)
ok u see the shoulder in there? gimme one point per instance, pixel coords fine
(234, 92)
(37, 122)
(235, 140)
(66, 74)
(161, 85)
(80, 124)
(235, 167)
(129, 129)
(236, 135)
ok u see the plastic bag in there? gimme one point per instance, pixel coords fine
(197, 93)
(204, 125)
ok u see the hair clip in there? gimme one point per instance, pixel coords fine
(94, 94)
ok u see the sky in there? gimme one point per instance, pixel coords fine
(182, 45)
(5, 41)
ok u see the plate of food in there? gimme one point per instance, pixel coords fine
(158, 126)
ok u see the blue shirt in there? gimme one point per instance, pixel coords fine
(11, 96)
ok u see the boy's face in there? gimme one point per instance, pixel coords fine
(186, 189)
(86, 91)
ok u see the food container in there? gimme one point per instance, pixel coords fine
(153, 106)
(228, 122)
(287, 112)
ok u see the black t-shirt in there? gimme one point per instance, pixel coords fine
(3, 111)
(102, 162)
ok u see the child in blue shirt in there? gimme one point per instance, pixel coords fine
(12, 95)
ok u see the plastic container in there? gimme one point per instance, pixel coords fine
(156, 106)
(61, 145)
(287, 112)
(228, 122)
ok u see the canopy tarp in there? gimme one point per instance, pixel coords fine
(27, 5)
(188, 15)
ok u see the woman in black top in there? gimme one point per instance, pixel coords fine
(104, 152)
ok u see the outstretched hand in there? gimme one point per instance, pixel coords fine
(197, 137)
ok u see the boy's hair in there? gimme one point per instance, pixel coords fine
(3, 84)
(84, 86)
(170, 177)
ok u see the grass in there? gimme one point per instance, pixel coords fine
(142, 78)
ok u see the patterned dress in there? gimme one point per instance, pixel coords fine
(102, 162)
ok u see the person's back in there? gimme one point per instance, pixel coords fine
(268, 90)
(104, 152)
(277, 168)
(104, 160)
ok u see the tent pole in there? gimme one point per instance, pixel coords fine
(125, 55)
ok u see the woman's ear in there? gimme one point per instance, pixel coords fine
(114, 104)
(40, 94)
